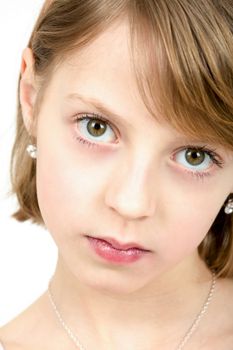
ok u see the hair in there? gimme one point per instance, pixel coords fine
(181, 48)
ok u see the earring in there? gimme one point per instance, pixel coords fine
(32, 151)
(229, 207)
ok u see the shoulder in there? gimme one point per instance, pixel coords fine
(224, 300)
(221, 316)
(215, 331)
(24, 331)
(224, 297)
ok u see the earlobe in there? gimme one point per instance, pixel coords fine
(27, 91)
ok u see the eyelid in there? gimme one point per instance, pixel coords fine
(92, 116)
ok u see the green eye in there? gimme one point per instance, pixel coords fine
(96, 128)
(198, 160)
(195, 157)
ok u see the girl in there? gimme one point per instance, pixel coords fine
(124, 153)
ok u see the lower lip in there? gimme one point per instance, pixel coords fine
(105, 250)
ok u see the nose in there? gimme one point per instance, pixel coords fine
(130, 192)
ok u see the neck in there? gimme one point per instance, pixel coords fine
(170, 303)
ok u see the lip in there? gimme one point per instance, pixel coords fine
(109, 253)
(121, 246)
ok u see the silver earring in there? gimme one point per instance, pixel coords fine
(32, 151)
(229, 207)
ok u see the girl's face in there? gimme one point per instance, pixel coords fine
(129, 177)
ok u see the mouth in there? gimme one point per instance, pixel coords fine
(120, 246)
(115, 252)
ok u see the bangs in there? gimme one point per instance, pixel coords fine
(183, 66)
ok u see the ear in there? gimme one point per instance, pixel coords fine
(27, 90)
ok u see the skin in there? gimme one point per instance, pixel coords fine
(152, 200)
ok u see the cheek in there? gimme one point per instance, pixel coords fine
(67, 190)
(186, 228)
(50, 193)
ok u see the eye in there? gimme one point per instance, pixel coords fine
(194, 158)
(198, 160)
(95, 129)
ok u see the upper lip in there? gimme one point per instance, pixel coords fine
(120, 246)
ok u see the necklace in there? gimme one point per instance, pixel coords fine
(181, 345)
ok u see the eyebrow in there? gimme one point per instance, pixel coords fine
(106, 111)
(100, 107)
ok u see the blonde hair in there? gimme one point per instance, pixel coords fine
(182, 48)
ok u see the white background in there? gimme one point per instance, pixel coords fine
(27, 252)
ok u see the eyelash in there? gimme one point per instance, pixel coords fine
(215, 158)
(88, 117)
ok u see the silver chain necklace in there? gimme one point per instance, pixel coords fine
(183, 342)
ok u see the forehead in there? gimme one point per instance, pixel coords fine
(104, 70)
(108, 49)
